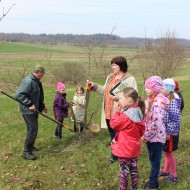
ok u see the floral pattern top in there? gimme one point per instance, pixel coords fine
(154, 124)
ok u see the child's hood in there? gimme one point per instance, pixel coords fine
(176, 96)
(135, 114)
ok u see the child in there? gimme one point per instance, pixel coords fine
(60, 108)
(155, 135)
(178, 91)
(79, 103)
(129, 121)
(172, 123)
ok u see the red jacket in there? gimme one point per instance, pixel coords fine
(130, 126)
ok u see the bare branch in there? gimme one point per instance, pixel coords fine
(5, 13)
(163, 59)
(11, 75)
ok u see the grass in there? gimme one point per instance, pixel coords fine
(79, 161)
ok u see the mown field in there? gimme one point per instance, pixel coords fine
(78, 161)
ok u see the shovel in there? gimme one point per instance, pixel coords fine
(55, 121)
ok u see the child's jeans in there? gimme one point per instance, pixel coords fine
(128, 166)
(155, 154)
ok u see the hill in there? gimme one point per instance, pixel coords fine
(96, 39)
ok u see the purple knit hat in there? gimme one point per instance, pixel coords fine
(154, 83)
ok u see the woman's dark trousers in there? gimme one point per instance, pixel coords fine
(112, 133)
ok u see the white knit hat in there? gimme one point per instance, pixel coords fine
(169, 84)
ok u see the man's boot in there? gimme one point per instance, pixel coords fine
(27, 154)
(34, 148)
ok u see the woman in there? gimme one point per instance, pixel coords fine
(119, 67)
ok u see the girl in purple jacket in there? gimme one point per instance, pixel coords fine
(60, 108)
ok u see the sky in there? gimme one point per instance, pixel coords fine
(124, 18)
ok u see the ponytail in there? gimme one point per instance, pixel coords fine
(150, 103)
(171, 96)
(141, 104)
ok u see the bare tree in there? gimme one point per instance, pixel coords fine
(163, 59)
(96, 66)
(13, 76)
(8, 83)
(6, 12)
(97, 63)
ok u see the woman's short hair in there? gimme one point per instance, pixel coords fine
(121, 62)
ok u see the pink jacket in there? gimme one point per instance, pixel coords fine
(130, 126)
(154, 126)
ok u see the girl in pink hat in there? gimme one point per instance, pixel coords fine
(60, 108)
(155, 135)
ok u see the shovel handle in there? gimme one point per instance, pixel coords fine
(64, 126)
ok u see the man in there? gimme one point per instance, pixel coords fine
(30, 93)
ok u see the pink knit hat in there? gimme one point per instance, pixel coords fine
(60, 86)
(154, 83)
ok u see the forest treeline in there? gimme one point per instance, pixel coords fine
(80, 40)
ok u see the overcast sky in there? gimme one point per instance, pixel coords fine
(127, 18)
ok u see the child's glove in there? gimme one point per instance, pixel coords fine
(67, 104)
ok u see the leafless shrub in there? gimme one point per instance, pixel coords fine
(69, 72)
(163, 59)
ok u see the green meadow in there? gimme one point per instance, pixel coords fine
(78, 161)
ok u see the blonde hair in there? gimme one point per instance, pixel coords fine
(80, 87)
(150, 103)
